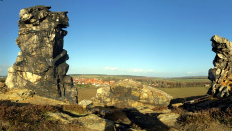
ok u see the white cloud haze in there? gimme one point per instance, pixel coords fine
(111, 68)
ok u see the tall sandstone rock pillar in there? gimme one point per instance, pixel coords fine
(221, 73)
(41, 64)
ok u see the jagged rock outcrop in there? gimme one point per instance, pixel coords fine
(221, 73)
(131, 94)
(41, 64)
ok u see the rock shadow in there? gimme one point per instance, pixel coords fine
(148, 121)
(182, 100)
(131, 119)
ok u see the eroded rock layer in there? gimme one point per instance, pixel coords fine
(221, 73)
(41, 63)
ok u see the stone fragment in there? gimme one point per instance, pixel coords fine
(168, 119)
(85, 103)
(64, 118)
(177, 105)
(94, 123)
(129, 93)
(41, 64)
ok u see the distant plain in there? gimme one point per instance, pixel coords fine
(183, 92)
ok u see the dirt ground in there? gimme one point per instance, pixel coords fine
(86, 93)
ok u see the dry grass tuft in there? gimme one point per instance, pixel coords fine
(211, 119)
(15, 116)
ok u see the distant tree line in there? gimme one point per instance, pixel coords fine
(171, 84)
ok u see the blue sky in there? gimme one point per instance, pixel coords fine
(161, 38)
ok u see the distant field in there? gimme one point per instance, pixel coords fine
(185, 92)
(188, 79)
(88, 93)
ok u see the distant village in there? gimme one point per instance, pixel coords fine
(92, 81)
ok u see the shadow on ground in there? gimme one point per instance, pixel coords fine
(182, 100)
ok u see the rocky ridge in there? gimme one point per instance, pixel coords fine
(41, 64)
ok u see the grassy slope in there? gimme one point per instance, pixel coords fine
(185, 92)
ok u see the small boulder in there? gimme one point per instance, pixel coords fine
(131, 94)
(169, 119)
(177, 105)
(94, 123)
(64, 118)
(85, 103)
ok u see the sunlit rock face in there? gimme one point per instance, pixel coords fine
(41, 63)
(221, 73)
(131, 94)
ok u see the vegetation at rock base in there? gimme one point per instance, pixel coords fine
(211, 119)
(16, 116)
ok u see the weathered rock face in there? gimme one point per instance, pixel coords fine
(221, 73)
(128, 93)
(41, 64)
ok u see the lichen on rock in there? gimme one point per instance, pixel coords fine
(41, 64)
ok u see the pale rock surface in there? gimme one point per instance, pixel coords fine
(146, 110)
(95, 123)
(129, 93)
(90, 122)
(64, 118)
(85, 103)
(168, 119)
